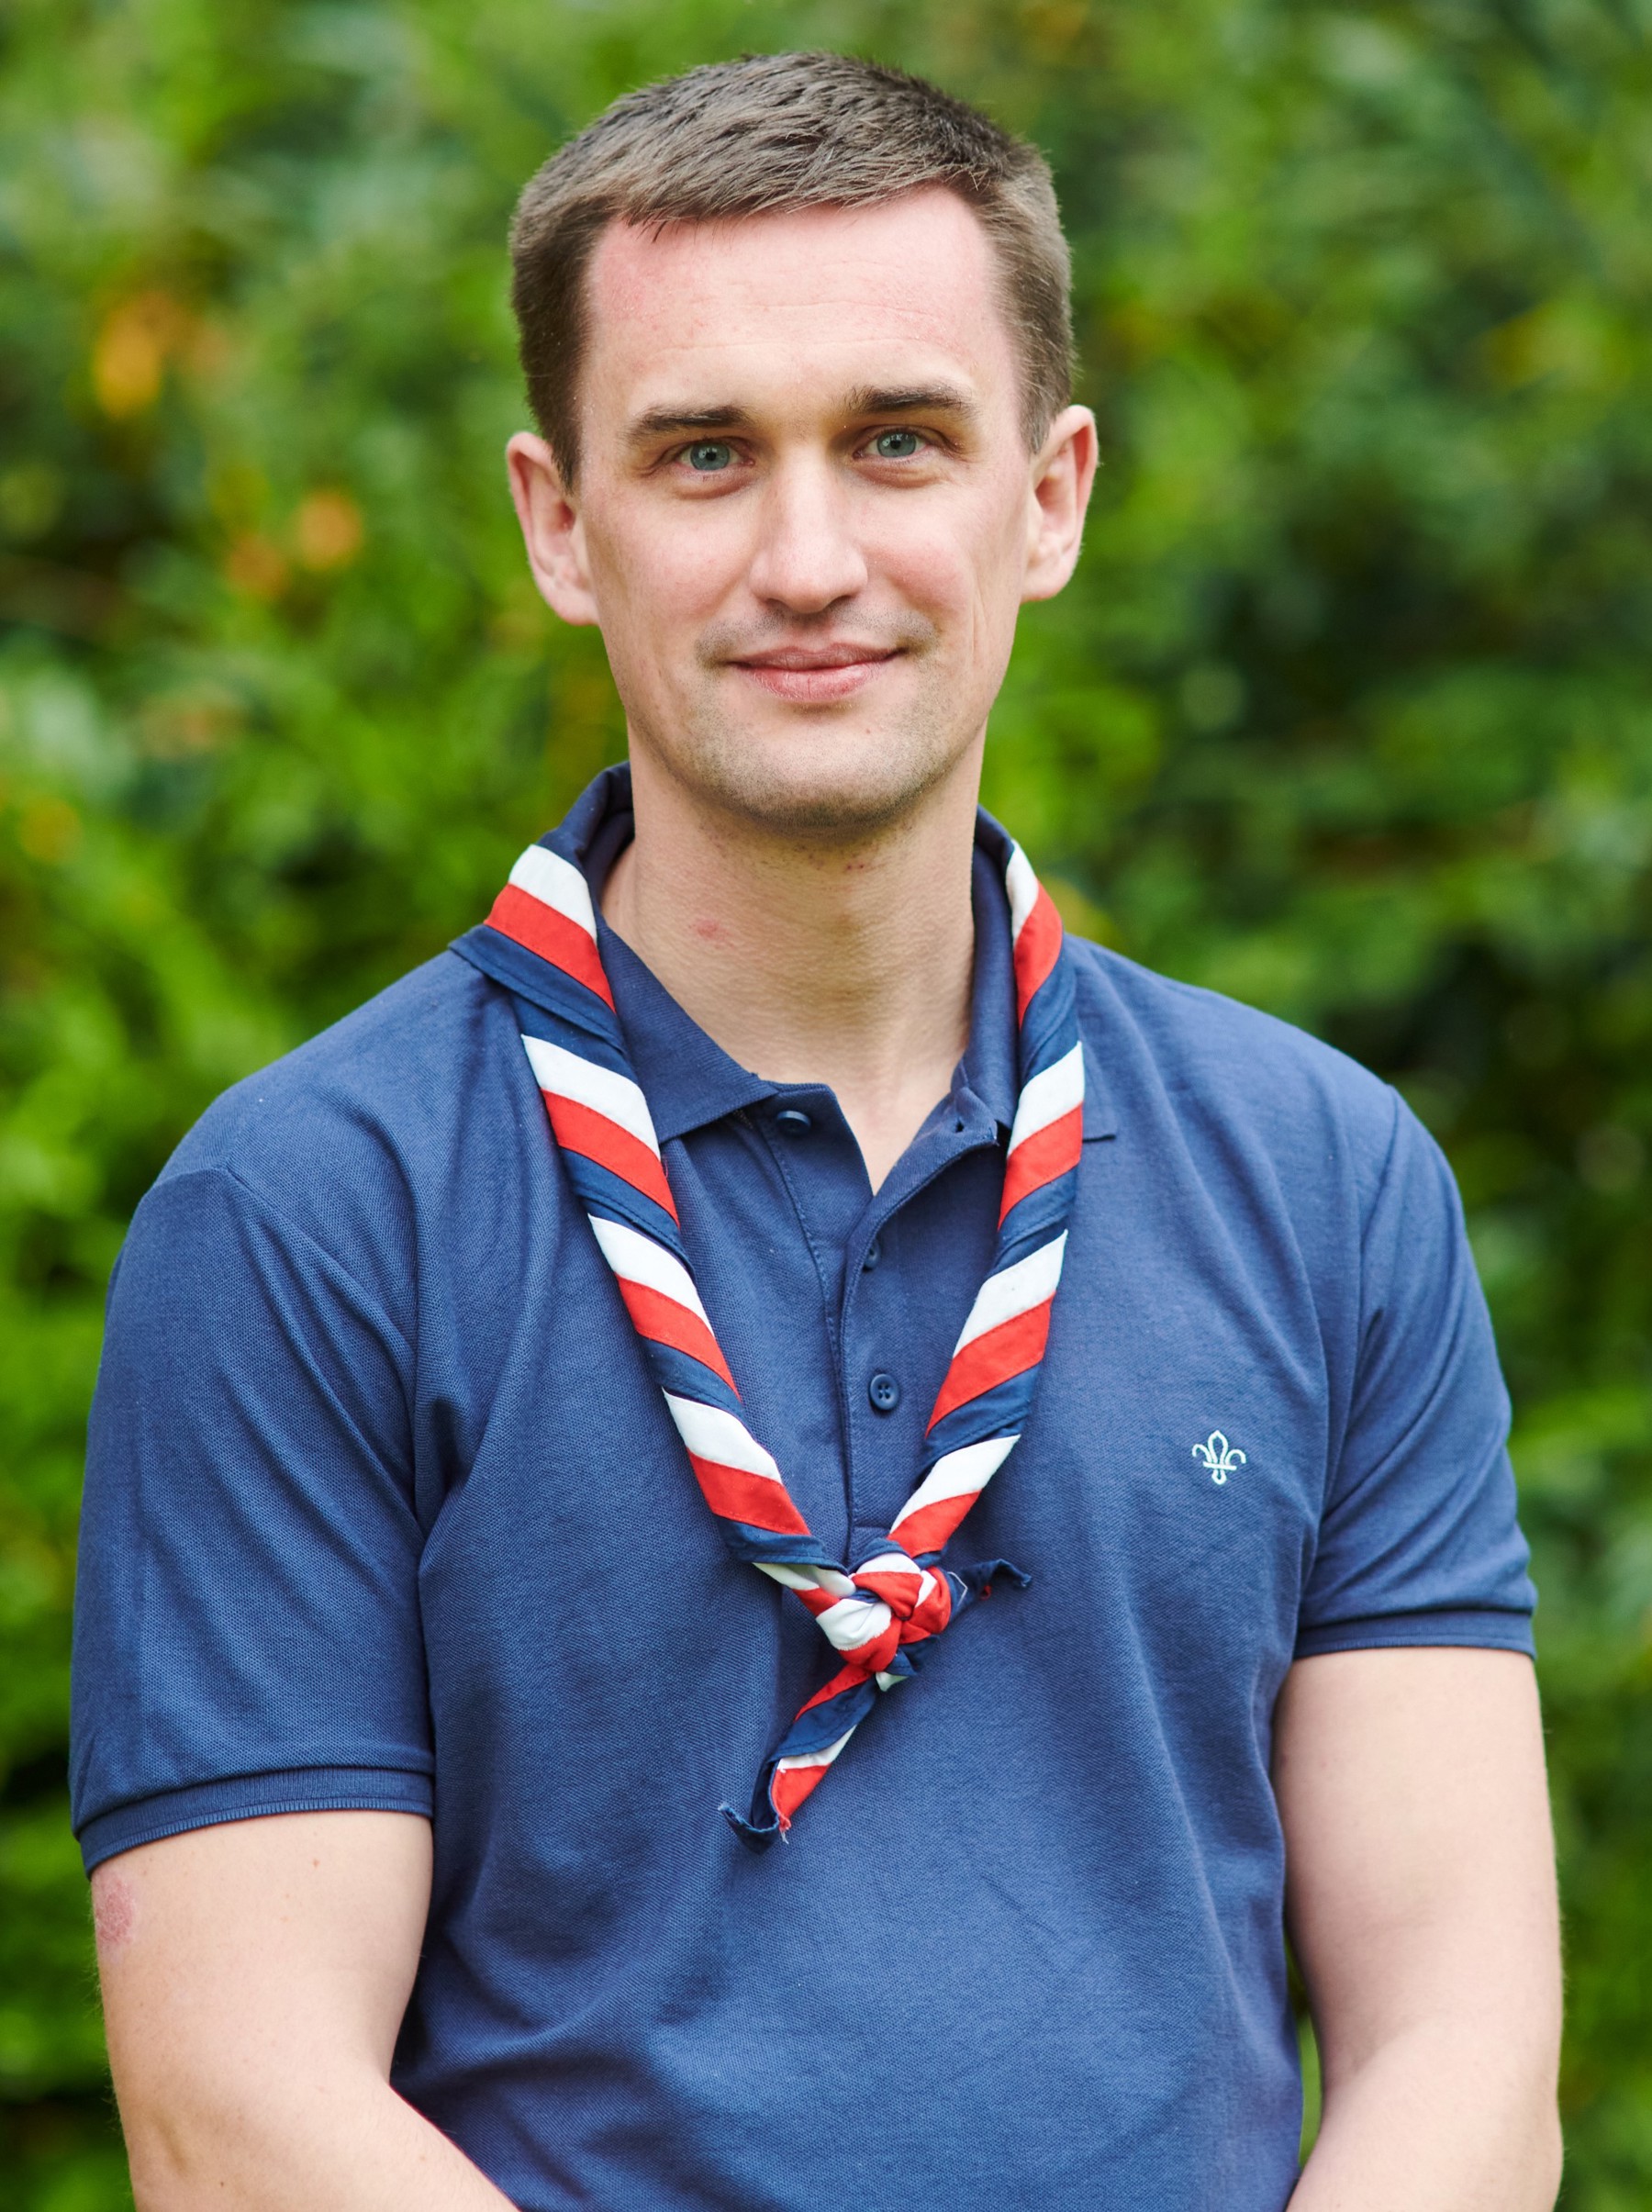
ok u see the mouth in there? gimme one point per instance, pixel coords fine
(815, 676)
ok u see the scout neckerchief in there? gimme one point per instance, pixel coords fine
(879, 1614)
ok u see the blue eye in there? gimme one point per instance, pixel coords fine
(709, 456)
(896, 445)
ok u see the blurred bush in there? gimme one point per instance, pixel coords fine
(1349, 713)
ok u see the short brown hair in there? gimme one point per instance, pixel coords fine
(767, 134)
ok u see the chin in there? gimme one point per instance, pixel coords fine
(816, 781)
(819, 802)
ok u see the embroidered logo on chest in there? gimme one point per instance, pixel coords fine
(1217, 1456)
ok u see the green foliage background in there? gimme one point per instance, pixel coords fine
(1348, 713)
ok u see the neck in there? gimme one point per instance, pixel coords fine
(847, 963)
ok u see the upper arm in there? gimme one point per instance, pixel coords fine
(248, 1633)
(1418, 1541)
(1419, 1862)
(259, 1961)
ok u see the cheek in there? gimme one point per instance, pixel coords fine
(662, 568)
(958, 565)
(921, 560)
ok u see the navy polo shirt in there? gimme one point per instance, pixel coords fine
(382, 1509)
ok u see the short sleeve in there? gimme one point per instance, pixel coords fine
(247, 1630)
(1418, 1542)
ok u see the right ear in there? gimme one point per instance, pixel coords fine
(550, 529)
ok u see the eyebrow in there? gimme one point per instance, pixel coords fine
(667, 422)
(910, 399)
(864, 399)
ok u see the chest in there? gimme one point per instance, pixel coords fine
(1165, 1496)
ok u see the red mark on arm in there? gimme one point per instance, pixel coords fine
(114, 1910)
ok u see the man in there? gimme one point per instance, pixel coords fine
(486, 1435)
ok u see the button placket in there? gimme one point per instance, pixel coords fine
(875, 1329)
(811, 1149)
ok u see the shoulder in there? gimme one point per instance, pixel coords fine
(1234, 1075)
(384, 1078)
(351, 1137)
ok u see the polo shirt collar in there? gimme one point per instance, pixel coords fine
(688, 1080)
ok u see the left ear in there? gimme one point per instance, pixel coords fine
(1063, 471)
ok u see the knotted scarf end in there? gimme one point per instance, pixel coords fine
(792, 1772)
(756, 1839)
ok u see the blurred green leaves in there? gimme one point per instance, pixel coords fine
(1349, 711)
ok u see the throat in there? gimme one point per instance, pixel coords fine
(830, 970)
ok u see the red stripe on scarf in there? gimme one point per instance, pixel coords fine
(739, 1495)
(528, 922)
(846, 1677)
(583, 1130)
(1040, 1158)
(933, 1527)
(1035, 950)
(1011, 1349)
(790, 1786)
(667, 1322)
(899, 1587)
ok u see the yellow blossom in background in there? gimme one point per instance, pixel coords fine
(256, 566)
(131, 350)
(327, 530)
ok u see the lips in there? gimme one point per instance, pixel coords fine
(815, 674)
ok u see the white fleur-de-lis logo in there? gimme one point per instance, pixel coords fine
(1218, 1456)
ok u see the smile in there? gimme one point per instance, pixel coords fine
(818, 675)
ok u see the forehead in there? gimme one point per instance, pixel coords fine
(704, 313)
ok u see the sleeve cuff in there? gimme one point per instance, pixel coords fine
(1471, 1627)
(249, 1798)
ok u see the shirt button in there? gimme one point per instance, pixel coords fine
(884, 1391)
(791, 1121)
(873, 1254)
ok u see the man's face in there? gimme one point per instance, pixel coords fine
(805, 514)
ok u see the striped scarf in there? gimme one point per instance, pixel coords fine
(881, 1614)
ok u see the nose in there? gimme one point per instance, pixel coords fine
(806, 557)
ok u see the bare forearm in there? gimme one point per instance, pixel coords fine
(255, 1975)
(1420, 1901)
(1444, 2118)
(344, 2145)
